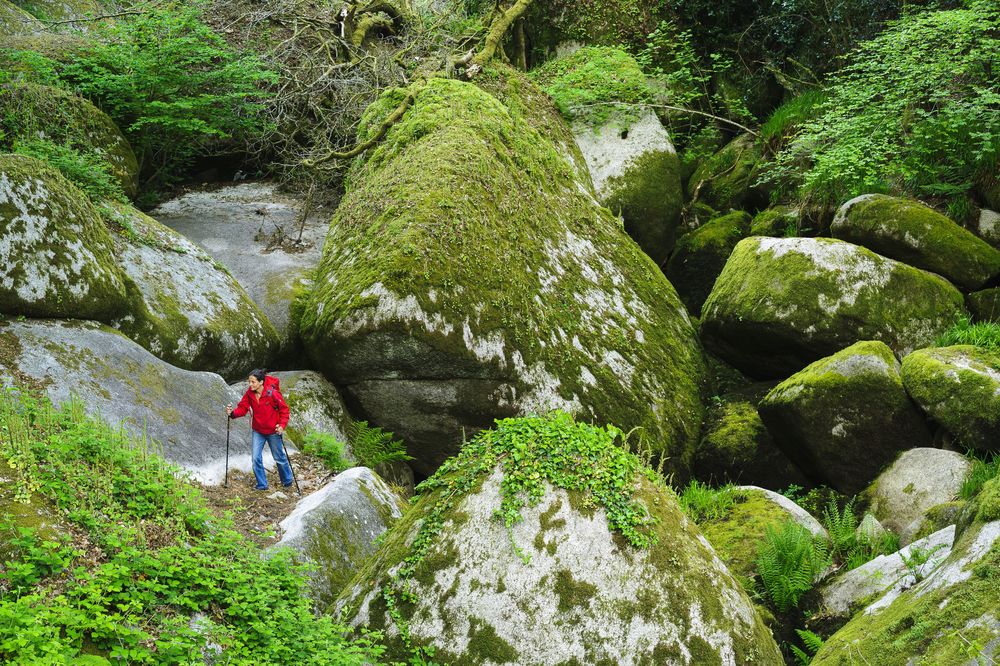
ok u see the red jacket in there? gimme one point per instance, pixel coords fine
(269, 411)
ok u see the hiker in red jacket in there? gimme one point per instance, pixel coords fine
(270, 416)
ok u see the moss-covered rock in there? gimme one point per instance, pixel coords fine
(958, 387)
(58, 46)
(20, 510)
(845, 417)
(781, 303)
(700, 256)
(55, 258)
(987, 226)
(985, 305)
(736, 446)
(186, 308)
(336, 527)
(779, 222)
(949, 617)
(62, 10)
(14, 20)
(31, 111)
(726, 180)
(579, 576)
(469, 274)
(917, 235)
(737, 536)
(939, 517)
(918, 480)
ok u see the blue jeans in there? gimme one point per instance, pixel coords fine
(277, 447)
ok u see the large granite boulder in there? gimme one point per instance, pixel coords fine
(65, 11)
(186, 308)
(918, 480)
(542, 542)
(56, 257)
(947, 617)
(459, 286)
(845, 417)
(14, 20)
(726, 180)
(984, 305)
(917, 235)
(781, 303)
(987, 226)
(958, 387)
(700, 256)
(251, 229)
(336, 527)
(632, 162)
(31, 111)
(181, 412)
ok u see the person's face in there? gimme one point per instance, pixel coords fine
(254, 383)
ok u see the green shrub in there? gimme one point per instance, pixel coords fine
(914, 111)
(983, 469)
(373, 446)
(984, 334)
(328, 448)
(847, 547)
(790, 115)
(701, 502)
(156, 556)
(87, 170)
(788, 562)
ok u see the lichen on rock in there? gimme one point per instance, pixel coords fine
(700, 256)
(469, 274)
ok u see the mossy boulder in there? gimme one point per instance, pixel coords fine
(781, 303)
(31, 111)
(115, 379)
(186, 308)
(917, 480)
(779, 221)
(948, 617)
(56, 258)
(700, 256)
(469, 274)
(335, 529)
(726, 180)
(985, 305)
(917, 235)
(14, 20)
(632, 162)
(939, 517)
(959, 388)
(737, 535)
(987, 226)
(844, 418)
(20, 510)
(736, 446)
(63, 10)
(588, 575)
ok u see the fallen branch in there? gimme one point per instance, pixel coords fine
(672, 108)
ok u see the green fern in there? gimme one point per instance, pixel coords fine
(789, 561)
(842, 527)
(812, 643)
(373, 446)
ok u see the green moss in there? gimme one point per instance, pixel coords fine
(471, 177)
(725, 180)
(701, 255)
(28, 110)
(13, 20)
(737, 536)
(917, 235)
(988, 501)
(985, 305)
(609, 23)
(486, 647)
(780, 221)
(649, 198)
(571, 592)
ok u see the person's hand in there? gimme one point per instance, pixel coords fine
(229, 409)
(279, 430)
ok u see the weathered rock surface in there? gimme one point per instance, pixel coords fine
(777, 222)
(188, 310)
(65, 11)
(842, 419)
(14, 20)
(335, 528)
(45, 112)
(919, 479)
(895, 572)
(985, 305)
(725, 180)
(182, 412)
(55, 252)
(949, 617)
(246, 228)
(700, 256)
(917, 235)
(958, 387)
(453, 300)
(583, 595)
(987, 226)
(781, 303)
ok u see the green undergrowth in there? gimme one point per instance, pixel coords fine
(984, 334)
(532, 453)
(146, 574)
(701, 502)
(371, 447)
(87, 170)
(982, 470)
(789, 561)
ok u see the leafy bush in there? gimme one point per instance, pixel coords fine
(789, 561)
(87, 170)
(373, 446)
(701, 502)
(155, 557)
(915, 110)
(985, 334)
(328, 448)
(983, 469)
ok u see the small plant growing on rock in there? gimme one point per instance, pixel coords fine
(328, 448)
(789, 561)
(373, 446)
(701, 502)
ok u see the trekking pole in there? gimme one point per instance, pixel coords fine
(228, 421)
(281, 439)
